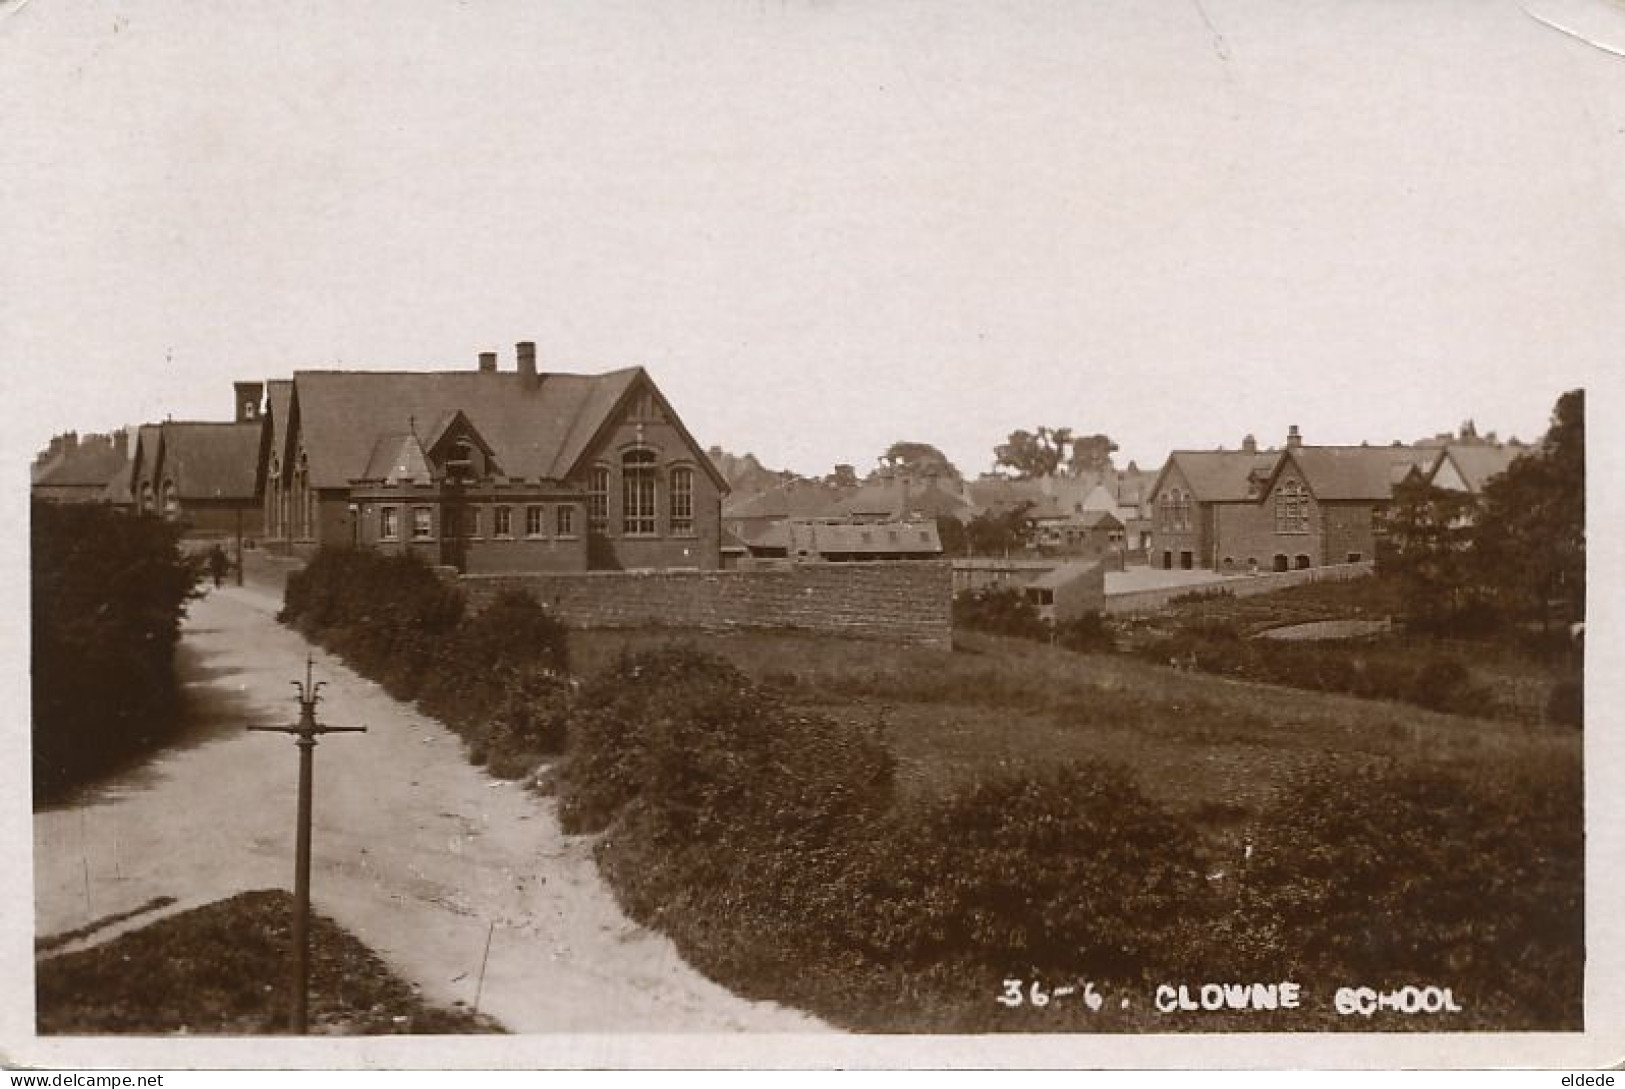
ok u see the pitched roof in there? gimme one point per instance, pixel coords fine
(1219, 476)
(211, 460)
(1477, 463)
(148, 438)
(397, 458)
(278, 400)
(94, 461)
(790, 499)
(823, 538)
(537, 431)
(1063, 574)
(1355, 472)
(896, 500)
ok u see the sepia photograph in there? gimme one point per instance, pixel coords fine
(811, 534)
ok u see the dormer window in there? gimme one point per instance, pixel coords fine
(460, 460)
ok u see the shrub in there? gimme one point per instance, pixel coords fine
(1424, 876)
(496, 676)
(1089, 632)
(1002, 610)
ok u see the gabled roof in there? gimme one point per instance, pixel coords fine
(278, 402)
(90, 464)
(536, 430)
(398, 458)
(896, 500)
(790, 499)
(148, 440)
(211, 460)
(1218, 476)
(1065, 573)
(1477, 463)
(1353, 472)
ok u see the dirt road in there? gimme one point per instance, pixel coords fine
(416, 852)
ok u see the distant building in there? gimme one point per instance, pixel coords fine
(1251, 510)
(489, 470)
(1068, 592)
(88, 469)
(203, 473)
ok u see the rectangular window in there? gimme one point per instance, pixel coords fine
(682, 501)
(638, 493)
(533, 521)
(567, 521)
(471, 521)
(598, 499)
(389, 523)
(422, 523)
(502, 521)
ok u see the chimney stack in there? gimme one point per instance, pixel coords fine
(249, 395)
(121, 445)
(488, 362)
(527, 363)
(70, 441)
(1249, 445)
(1293, 439)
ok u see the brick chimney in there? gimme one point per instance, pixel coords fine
(1249, 445)
(1293, 439)
(527, 363)
(488, 362)
(249, 396)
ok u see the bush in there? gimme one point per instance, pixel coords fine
(1424, 876)
(1089, 632)
(108, 594)
(1001, 610)
(496, 677)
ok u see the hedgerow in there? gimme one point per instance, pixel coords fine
(497, 677)
(108, 594)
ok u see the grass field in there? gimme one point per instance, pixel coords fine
(1218, 749)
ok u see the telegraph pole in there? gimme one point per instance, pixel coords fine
(305, 734)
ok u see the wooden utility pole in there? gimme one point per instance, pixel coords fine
(305, 734)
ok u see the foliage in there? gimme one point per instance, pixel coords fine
(1425, 875)
(1088, 633)
(497, 677)
(1425, 543)
(918, 459)
(1091, 454)
(1002, 610)
(1529, 544)
(843, 476)
(219, 969)
(1029, 455)
(999, 532)
(108, 594)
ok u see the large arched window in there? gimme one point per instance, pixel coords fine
(638, 493)
(1291, 508)
(172, 499)
(682, 500)
(598, 499)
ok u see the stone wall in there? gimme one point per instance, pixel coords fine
(1150, 602)
(897, 602)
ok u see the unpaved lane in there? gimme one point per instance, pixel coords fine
(419, 854)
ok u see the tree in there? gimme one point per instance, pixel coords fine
(1032, 454)
(1000, 532)
(918, 459)
(1529, 545)
(1092, 454)
(1425, 541)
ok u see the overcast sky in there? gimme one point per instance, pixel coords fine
(825, 226)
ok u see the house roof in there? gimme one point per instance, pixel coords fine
(1354, 472)
(823, 538)
(1477, 462)
(208, 460)
(789, 499)
(535, 430)
(278, 400)
(396, 458)
(895, 499)
(148, 438)
(1219, 476)
(91, 463)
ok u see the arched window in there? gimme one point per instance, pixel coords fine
(1280, 561)
(638, 493)
(1291, 508)
(682, 500)
(1301, 562)
(598, 499)
(146, 497)
(172, 500)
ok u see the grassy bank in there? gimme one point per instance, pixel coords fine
(221, 969)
